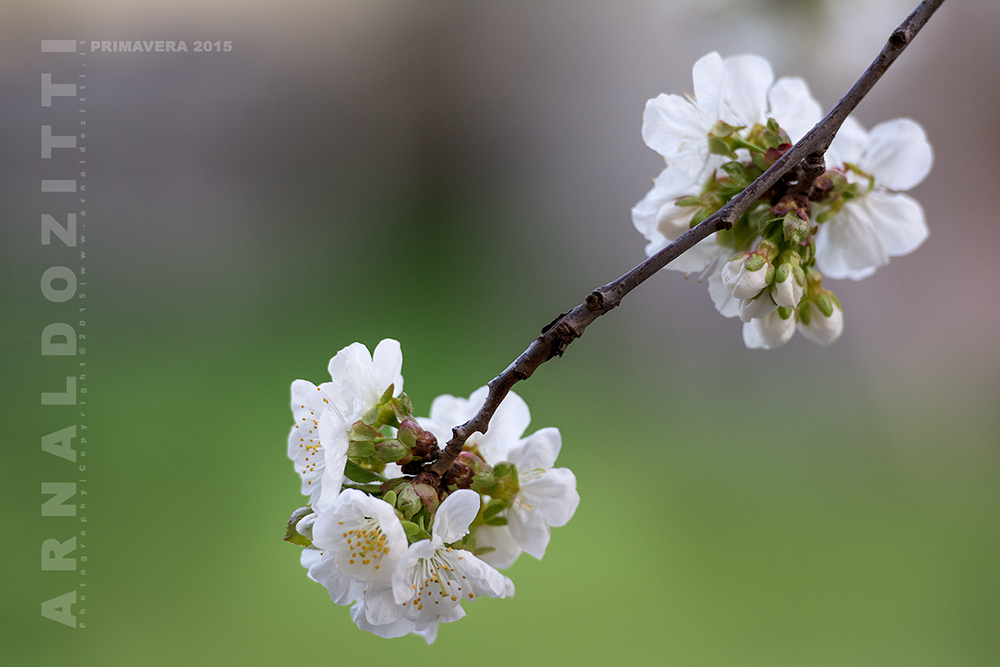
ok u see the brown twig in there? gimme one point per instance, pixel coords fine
(569, 326)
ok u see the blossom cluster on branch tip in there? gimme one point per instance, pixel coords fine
(384, 533)
(841, 222)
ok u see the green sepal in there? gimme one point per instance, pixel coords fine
(387, 394)
(773, 125)
(371, 416)
(407, 433)
(483, 480)
(723, 129)
(737, 172)
(494, 507)
(390, 497)
(482, 551)
(410, 527)
(390, 451)
(794, 228)
(755, 263)
(753, 148)
(408, 502)
(688, 201)
(759, 161)
(370, 489)
(291, 534)
(356, 473)
(771, 139)
(428, 496)
(699, 216)
(361, 432)
(825, 304)
(805, 313)
(497, 521)
(360, 449)
(402, 407)
(718, 146)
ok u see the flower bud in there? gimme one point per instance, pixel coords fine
(744, 282)
(789, 285)
(760, 306)
(747, 273)
(821, 318)
(769, 332)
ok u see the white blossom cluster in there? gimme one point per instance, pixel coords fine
(387, 536)
(768, 269)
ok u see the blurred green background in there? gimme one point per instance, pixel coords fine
(454, 175)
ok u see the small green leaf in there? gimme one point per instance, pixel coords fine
(356, 473)
(390, 498)
(494, 507)
(291, 534)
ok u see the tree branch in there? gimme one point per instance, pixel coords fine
(563, 330)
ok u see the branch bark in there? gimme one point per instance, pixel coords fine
(566, 328)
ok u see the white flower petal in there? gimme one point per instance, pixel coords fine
(672, 127)
(723, 299)
(768, 332)
(538, 451)
(709, 78)
(505, 548)
(323, 569)
(822, 330)
(898, 154)
(364, 534)
(453, 516)
(698, 258)
(758, 307)
(508, 423)
(748, 78)
(427, 629)
(787, 293)
(333, 436)
(792, 105)
(898, 221)
(380, 605)
(387, 366)
(848, 145)
(399, 628)
(847, 245)
(553, 494)
(529, 530)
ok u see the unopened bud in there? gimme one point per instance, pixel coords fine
(768, 332)
(821, 319)
(789, 285)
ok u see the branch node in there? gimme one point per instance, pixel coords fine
(899, 38)
(553, 322)
(595, 300)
